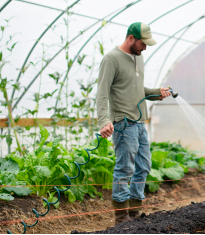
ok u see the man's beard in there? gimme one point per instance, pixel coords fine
(134, 50)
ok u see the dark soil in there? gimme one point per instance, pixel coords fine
(24, 204)
(189, 219)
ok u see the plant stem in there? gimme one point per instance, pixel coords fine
(89, 116)
(38, 97)
(12, 122)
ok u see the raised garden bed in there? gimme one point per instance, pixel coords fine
(169, 197)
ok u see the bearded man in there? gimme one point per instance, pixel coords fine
(121, 82)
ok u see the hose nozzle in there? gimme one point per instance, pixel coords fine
(174, 93)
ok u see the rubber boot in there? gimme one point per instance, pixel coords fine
(135, 212)
(121, 215)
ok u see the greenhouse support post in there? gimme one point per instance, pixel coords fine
(6, 3)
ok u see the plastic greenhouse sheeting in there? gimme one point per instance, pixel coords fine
(177, 26)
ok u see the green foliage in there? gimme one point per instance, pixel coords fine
(171, 161)
(51, 161)
(12, 47)
(81, 58)
(46, 95)
(154, 175)
(52, 199)
(6, 197)
(9, 140)
(80, 191)
(70, 63)
(19, 191)
(8, 172)
(56, 76)
(102, 162)
(23, 70)
(101, 48)
(16, 119)
(104, 22)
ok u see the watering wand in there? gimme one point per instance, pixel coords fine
(174, 93)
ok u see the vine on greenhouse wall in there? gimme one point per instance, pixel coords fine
(70, 111)
(7, 103)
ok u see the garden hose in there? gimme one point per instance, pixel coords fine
(174, 94)
(138, 106)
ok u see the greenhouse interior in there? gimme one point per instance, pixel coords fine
(61, 171)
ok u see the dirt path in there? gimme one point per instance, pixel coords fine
(169, 197)
(188, 219)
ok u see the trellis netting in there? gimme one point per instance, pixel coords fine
(48, 45)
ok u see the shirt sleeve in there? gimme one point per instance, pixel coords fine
(105, 80)
(149, 91)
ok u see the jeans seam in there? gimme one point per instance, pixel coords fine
(122, 151)
(141, 132)
(142, 167)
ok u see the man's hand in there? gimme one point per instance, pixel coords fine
(164, 93)
(107, 130)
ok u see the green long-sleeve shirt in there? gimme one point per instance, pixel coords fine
(118, 82)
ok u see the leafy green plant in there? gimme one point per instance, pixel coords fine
(45, 167)
(100, 168)
(52, 199)
(41, 168)
(8, 172)
(171, 161)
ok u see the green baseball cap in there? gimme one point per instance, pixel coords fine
(143, 32)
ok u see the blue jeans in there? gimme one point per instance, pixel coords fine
(133, 161)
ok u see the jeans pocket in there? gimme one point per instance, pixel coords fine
(119, 125)
(130, 124)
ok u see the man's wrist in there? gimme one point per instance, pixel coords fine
(104, 123)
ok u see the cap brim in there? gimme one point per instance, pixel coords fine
(149, 42)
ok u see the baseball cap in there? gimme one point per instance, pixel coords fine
(143, 32)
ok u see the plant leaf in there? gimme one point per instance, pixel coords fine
(174, 173)
(44, 134)
(191, 164)
(101, 48)
(79, 192)
(42, 171)
(6, 197)
(9, 140)
(71, 196)
(16, 158)
(9, 167)
(19, 191)
(80, 59)
(154, 175)
(158, 159)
